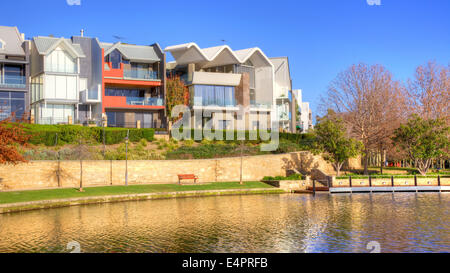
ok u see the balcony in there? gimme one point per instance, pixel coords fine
(61, 69)
(17, 82)
(140, 74)
(90, 96)
(212, 78)
(145, 101)
(260, 105)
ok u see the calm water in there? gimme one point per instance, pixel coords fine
(402, 222)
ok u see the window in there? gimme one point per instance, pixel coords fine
(111, 116)
(14, 74)
(2, 44)
(37, 88)
(252, 97)
(206, 95)
(60, 61)
(134, 93)
(115, 58)
(12, 104)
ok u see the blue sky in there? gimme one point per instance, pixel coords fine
(320, 37)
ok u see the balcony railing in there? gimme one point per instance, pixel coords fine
(254, 104)
(13, 81)
(92, 94)
(52, 120)
(141, 74)
(145, 101)
(61, 69)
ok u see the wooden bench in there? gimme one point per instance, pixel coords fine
(187, 176)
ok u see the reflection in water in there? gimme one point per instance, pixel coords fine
(403, 222)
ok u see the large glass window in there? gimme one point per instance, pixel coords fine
(135, 93)
(60, 61)
(55, 113)
(12, 104)
(12, 75)
(111, 116)
(205, 95)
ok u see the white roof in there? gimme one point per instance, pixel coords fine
(213, 56)
(132, 52)
(45, 45)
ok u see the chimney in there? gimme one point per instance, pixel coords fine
(82, 32)
(23, 36)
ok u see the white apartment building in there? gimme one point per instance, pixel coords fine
(282, 95)
(220, 79)
(55, 80)
(305, 122)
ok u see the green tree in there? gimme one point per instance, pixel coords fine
(423, 140)
(332, 142)
(176, 95)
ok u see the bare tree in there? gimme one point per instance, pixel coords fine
(370, 102)
(82, 152)
(429, 91)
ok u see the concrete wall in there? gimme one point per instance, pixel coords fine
(44, 174)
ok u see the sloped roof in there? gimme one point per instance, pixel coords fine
(11, 40)
(132, 52)
(45, 45)
(192, 53)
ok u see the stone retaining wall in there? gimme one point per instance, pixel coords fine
(44, 174)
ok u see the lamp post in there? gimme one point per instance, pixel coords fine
(126, 158)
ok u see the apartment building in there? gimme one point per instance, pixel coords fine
(282, 98)
(134, 85)
(89, 108)
(14, 74)
(220, 79)
(305, 122)
(55, 79)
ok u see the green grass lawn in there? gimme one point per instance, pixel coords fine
(37, 195)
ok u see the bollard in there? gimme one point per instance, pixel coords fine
(392, 180)
(314, 186)
(439, 180)
(370, 181)
(350, 181)
(415, 180)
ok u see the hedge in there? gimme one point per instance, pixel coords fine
(302, 139)
(51, 135)
(117, 135)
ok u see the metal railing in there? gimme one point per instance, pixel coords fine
(52, 121)
(92, 94)
(61, 69)
(13, 81)
(134, 125)
(145, 101)
(255, 104)
(141, 74)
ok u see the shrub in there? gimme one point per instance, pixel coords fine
(69, 134)
(294, 176)
(143, 142)
(188, 142)
(117, 135)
